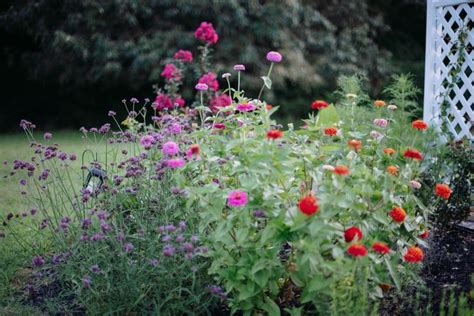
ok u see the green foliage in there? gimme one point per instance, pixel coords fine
(404, 94)
(454, 165)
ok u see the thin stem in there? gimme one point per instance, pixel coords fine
(263, 86)
(238, 81)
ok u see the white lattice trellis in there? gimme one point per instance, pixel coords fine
(445, 20)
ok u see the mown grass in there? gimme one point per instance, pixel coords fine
(13, 259)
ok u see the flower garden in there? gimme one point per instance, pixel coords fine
(211, 206)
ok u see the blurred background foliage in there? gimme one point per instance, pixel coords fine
(65, 63)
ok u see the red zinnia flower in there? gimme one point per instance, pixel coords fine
(355, 144)
(443, 190)
(341, 170)
(419, 124)
(398, 214)
(269, 106)
(351, 233)
(380, 247)
(389, 151)
(330, 131)
(357, 250)
(424, 234)
(414, 254)
(413, 153)
(308, 205)
(319, 104)
(195, 149)
(274, 134)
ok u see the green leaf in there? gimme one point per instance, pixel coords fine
(267, 82)
(270, 307)
(327, 116)
(392, 273)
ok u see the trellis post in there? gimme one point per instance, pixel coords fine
(445, 20)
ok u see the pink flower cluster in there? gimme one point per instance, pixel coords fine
(184, 56)
(162, 101)
(210, 79)
(206, 33)
(219, 101)
(170, 72)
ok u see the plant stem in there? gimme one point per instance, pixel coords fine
(263, 86)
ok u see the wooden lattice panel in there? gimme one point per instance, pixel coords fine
(445, 21)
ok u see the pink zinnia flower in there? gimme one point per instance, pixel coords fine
(220, 101)
(161, 102)
(201, 87)
(147, 141)
(210, 79)
(380, 122)
(179, 102)
(175, 163)
(171, 72)
(219, 125)
(170, 148)
(245, 107)
(184, 56)
(239, 67)
(237, 198)
(206, 33)
(274, 57)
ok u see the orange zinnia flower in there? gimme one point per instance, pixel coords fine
(269, 106)
(389, 151)
(380, 247)
(443, 191)
(419, 124)
(379, 103)
(414, 254)
(398, 214)
(393, 170)
(355, 144)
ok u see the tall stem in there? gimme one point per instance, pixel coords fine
(238, 81)
(263, 86)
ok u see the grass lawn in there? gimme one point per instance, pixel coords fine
(12, 258)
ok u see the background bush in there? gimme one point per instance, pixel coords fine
(69, 61)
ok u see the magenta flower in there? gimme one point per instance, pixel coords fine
(239, 67)
(226, 75)
(414, 184)
(175, 163)
(210, 79)
(237, 198)
(171, 72)
(201, 87)
(47, 136)
(206, 33)
(147, 141)
(274, 57)
(162, 101)
(184, 56)
(170, 148)
(219, 101)
(245, 107)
